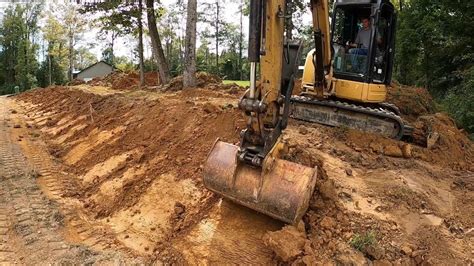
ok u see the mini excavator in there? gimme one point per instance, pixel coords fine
(339, 88)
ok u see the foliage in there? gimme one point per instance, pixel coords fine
(362, 241)
(54, 33)
(435, 50)
(124, 64)
(459, 101)
(114, 19)
(18, 62)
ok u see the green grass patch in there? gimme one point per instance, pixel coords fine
(242, 83)
(362, 241)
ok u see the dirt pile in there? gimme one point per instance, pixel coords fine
(412, 101)
(449, 147)
(203, 79)
(76, 82)
(126, 81)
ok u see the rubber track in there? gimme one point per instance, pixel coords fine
(379, 113)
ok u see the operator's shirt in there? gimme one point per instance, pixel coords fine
(363, 37)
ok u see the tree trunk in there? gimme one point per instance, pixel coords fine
(189, 78)
(217, 37)
(156, 43)
(71, 55)
(112, 45)
(241, 40)
(50, 78)
(401, 5)
(140, 44)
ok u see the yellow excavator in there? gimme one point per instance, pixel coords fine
(340, 87)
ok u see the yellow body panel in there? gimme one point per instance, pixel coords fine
(308, 73)
(344, 89)
(359, 91)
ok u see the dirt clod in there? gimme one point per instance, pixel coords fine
(328, 222)
(393, 150)
(287, 243)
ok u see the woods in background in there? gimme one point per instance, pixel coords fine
(41, 45)
(434, 49)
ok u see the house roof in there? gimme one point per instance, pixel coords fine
(101, 61)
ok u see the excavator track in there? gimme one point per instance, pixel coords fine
(379, 120)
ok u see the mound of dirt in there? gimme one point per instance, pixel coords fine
(377, 200)
(126, 81)
(76, 82)
(203, 79)
(450, 146)
(412, 101)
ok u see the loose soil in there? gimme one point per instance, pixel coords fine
(130, 166)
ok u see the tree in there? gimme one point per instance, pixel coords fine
(140, 43)
(121, 18)
(156, 43)
(19, 65)
(54, 33)
(434, 49)
(212, 16)
(84, 58)
(75, 25)
(189, 79)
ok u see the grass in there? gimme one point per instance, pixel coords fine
(242, 83)
(362, 241)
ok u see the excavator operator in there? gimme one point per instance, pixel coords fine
(360, 47)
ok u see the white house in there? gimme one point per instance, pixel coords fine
(99, 69)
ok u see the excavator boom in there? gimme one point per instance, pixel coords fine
(252, 174)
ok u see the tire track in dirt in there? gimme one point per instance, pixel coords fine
(31, 225)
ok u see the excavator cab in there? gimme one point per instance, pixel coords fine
(372, 63)
(346, 76)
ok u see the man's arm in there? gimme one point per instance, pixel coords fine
(357, 40)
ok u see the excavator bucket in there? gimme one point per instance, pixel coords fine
(282, 192)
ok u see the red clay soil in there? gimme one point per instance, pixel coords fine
(126, 81)
(366, 183)
(412, 101)
(179, 129)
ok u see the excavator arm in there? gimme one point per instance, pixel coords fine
(322, 43)
(253, 174)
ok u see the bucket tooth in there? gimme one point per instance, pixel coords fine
(282, 192)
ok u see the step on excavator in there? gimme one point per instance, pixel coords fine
(344, 84)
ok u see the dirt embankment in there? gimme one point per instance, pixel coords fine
(137, 158)
(384, 201)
